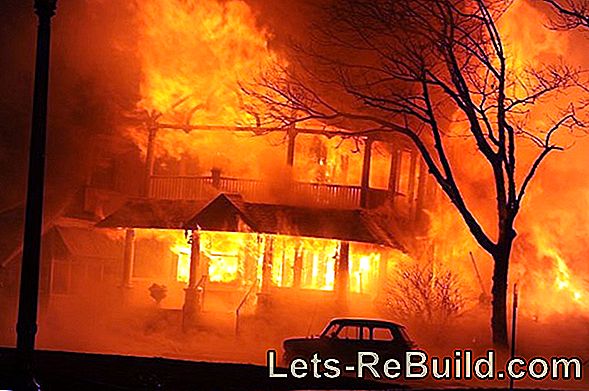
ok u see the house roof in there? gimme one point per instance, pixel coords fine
(11, 232)
(92, 243)
(230, 213)
(149, 213)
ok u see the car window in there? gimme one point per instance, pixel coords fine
(382, 334)
(349, 332)
(331, 331)
(366, 333)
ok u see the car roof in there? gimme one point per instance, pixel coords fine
(366, 321)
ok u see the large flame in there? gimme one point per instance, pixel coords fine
(194, 53)
(547, 258)
(234, 257)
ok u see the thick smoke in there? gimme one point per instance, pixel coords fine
(93, 80)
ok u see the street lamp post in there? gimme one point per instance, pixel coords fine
(29, 278)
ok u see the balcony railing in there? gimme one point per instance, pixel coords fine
(319, 194)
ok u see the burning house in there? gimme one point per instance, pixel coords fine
(219, 211)
(194, 202)
(235, 239)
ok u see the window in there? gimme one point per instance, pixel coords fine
(382, 334)
(349, 332)
(331, 331)
(404, 175)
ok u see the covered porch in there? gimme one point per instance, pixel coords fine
(263, 255)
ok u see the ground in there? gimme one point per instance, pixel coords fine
(214, 345)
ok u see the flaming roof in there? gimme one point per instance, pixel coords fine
(230, 213)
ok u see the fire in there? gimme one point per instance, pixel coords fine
(194, 53)
(548, 251)
(561, 290)
(231, 257)
(219, 251)
(193, 56)
(529, 44)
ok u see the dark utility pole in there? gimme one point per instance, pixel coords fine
(29, 278)
(513, 331)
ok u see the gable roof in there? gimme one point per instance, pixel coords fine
(230, 213)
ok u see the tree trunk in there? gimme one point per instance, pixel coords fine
(500, 285)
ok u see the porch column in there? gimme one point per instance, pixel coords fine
(191, 299)
(365, 184)
(342, 275)
(128, 259)
(393, 174)
(149, 158)
(264, 295)
(194, 259)
(297, 268)
(267, 264)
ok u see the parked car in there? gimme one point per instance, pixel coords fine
(344, 337)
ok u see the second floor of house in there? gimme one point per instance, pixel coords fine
(310, 169)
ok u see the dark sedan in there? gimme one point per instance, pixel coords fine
(343, 338)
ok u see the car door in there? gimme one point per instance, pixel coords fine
(346, 343)
(385, 342)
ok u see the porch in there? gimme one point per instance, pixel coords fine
(235, 256)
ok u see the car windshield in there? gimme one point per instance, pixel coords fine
(404, 334)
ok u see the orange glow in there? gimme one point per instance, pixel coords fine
(238, 257)
(194, 54)
(548, 251)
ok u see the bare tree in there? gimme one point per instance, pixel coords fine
(425, 296)
(569, 14)
(423, 69)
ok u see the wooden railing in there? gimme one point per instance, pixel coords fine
(242, 303)
(181, 187)
(324, 194)
(195, 188)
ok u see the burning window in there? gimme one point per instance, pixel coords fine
(295, 262)
(364, 268)
(304, 262)
(321, 160)
(223, 252)
(380, 165)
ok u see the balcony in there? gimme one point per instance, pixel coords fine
(291, 192)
